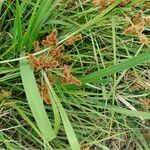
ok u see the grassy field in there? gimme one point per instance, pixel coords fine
(74, 75)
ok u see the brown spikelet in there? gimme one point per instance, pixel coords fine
(145, 103)
(45, 43)
(34, 62)
(143, 38)
(58, 55)
(42, 61)
(54, 33)
(137, 27)
(70, 78)
(52, 64)
(147, 20)
(124, 3)
(130, 30)
(5, 94)
(66, 71)
(138, 19)
(74, 80)
(56, 52)
(73, 39)
(97, 2)
(45, 95)
(130, 76)
(36, 46)
(51, 40)
(103, 4)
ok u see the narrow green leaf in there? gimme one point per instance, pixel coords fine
(21, 113)
(18, 28)
(35, 101)
(67, 125)
(144, 115)
(9, 76)
(57, 119)
(132, 62)
(5, 141)
(42, 11)
(127, 112)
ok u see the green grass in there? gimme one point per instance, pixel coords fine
(79, 117)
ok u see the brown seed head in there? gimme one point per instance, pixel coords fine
(36, 46)
(70, 78)
(45, 95)
(51, 40)
(5, 94)
(73, 39)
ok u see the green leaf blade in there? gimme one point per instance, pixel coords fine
(35, 101)
(132, 62)
(67, 125)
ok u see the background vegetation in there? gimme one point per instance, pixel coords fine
(111, 108)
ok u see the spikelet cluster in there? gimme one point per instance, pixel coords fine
(73, 39)
(103, 4)
(51, 40)
(69, 78)
(41, 62)
(52, 59)
(44, 94)
(136, 27)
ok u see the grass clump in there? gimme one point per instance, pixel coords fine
(76, 56)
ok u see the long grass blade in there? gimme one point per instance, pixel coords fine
(35, 101)
(132, 62)
(144, 115)
(67, 125)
